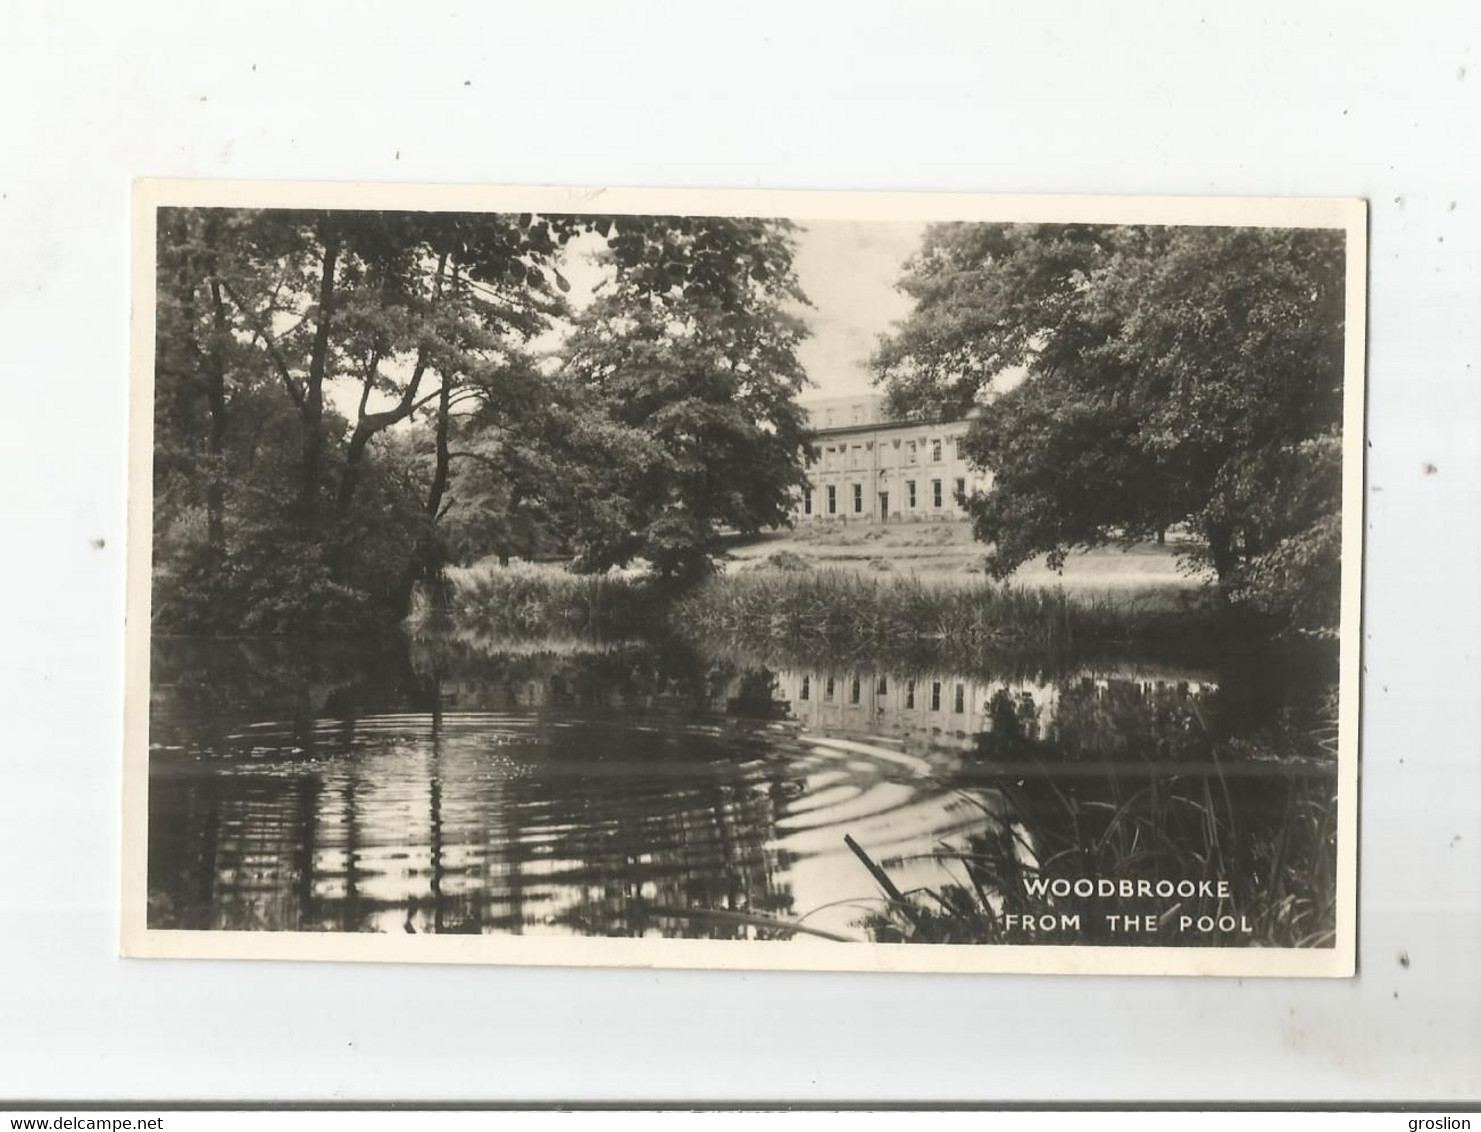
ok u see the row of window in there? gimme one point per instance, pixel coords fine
(857, 497)
(959, 695)
(855, 453)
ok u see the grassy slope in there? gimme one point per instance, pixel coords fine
(945, 551)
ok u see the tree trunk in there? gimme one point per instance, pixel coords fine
(444, 459)
(216, 395)
(313, 401)
(1223, 556)
(359, 439)
(511, 540)
(211, 368)
(425, 564)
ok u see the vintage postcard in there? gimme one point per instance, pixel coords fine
(852, 581)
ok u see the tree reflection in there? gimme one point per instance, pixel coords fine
(369, 806)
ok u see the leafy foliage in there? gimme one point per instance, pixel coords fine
(689, 365)
(1168, 376)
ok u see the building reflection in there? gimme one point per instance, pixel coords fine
(957, 710)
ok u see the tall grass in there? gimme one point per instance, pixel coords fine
(526, 602)
(843, 615)
(1271, 836)
(832, 616)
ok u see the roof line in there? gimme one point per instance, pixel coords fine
(834, 430)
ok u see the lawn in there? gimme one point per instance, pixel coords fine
(945, 551)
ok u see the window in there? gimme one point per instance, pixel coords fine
(807, 501)
(910, 494)
(882, 687)
(858, 454)
(858, 414)
(910, 451)
(802, 692)
(961, 490)
(960, 703)
(935, 695)
(853, 692)
(828, 690)
(858, 498)
(832, 499)
(935, 451)
(910, 693)
(935, 493)
(956, 446)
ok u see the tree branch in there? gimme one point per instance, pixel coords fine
(428, 399)
(479, 456)
(463, 395)
(408, 405)
(319, 353)
(274, 352)
(372, 367)
(368, 424)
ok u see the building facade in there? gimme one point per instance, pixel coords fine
(872, 470)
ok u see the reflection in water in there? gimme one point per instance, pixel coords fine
(955, 710)
(644, 790)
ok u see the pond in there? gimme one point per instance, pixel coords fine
(455, 785)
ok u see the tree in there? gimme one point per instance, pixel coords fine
(688, 376)
(510, 486)
(261, 312)
(1169, 376)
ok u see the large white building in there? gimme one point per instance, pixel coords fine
(870, 469)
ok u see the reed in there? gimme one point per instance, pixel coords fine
(847, 614)
(1272, 837)
(528, 602)
(826, 617)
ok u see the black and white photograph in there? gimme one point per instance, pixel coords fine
(777, 580)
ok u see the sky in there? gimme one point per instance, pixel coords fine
(848, 270)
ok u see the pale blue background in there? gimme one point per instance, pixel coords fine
(1378, 100)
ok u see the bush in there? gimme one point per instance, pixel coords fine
(260, 588)
(787, 561)
(1299, 582)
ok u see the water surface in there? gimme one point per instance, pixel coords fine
(640, 789)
